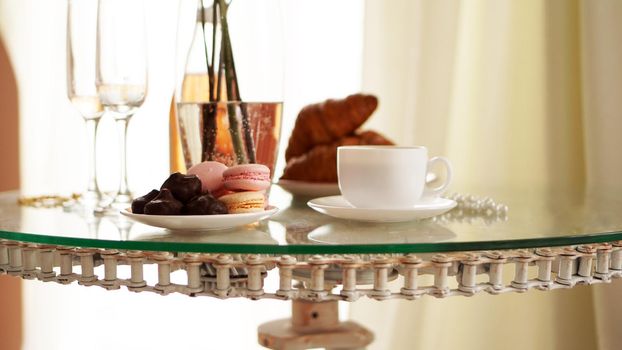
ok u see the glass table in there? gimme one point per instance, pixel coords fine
(549, 239)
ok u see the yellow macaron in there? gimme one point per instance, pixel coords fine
(244, 202)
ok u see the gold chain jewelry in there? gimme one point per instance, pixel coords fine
(47, 201)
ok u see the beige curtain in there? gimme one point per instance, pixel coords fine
(514, 92)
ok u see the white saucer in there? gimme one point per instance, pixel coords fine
(200, 222)
(310, 189)
(338, 207)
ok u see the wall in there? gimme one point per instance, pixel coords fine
(10, 287)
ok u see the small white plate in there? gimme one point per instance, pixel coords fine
(200, 222)
(310, 189)
(338, 207)
(321, 189)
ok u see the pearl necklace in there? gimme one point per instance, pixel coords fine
(470, 208)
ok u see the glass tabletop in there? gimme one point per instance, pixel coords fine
(536, 218)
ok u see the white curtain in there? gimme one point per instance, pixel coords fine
(515, 93)
(602, 85)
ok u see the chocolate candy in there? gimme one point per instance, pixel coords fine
(164, 204)
(138, 204)
(183, 187)
(204, 205)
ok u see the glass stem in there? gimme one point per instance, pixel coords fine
(123, 195)
(92, 190)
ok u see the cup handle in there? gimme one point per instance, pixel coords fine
(430, 193)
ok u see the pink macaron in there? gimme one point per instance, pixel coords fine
(211, 176)
(247, 177)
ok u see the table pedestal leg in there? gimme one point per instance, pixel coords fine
(314, 325)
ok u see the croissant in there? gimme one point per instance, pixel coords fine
(327, 122)
(320, 163)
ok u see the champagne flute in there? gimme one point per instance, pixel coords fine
(81, 89)
(121, 71)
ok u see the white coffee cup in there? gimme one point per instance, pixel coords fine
(388, 177)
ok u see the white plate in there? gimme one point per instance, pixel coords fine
(338, 207)
(310, 189)
(321, 189)
(200, 222)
